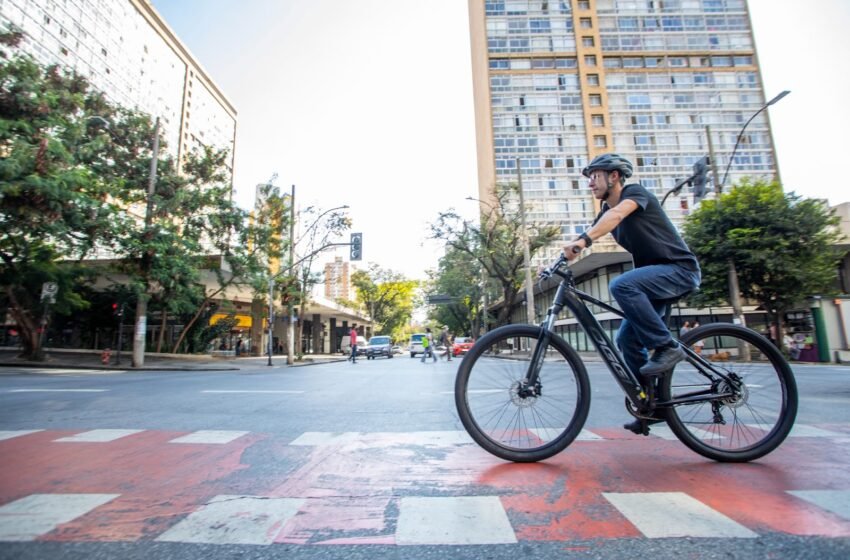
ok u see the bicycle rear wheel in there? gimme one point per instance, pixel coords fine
(499, 416)
(756, 419)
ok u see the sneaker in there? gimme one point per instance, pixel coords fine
(663, 360)
(638, 426)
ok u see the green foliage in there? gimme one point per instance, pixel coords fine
(387, 297)
(455, 278)
(781, 245)
(493, 248)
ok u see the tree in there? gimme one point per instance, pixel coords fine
(54, 206)
(781, 245)
(496, 245)
(456, 279)
(388, 298)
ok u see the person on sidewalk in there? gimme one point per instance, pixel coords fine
(446, 340)
(353, 342)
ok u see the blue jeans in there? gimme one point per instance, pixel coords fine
(639, 293)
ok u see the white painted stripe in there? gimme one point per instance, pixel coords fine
(663, 431)
(803, 430)
(30, 517)
(209, 436)
(453, 520)
(675, 514)
(58, 390)
(449, 437)
(547, 434)
(98, 436)
(836, 501)
(9, 434)
(224, 392)
(325, 438)
(235, 520)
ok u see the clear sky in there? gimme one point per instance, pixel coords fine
(369, 103)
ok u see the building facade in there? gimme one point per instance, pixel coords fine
(338, 280)
(126, 50)
(558, 83)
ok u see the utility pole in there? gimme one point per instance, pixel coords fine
(529, 283)
(142, 303)
(290, 326)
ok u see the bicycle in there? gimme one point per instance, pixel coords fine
(523, 394)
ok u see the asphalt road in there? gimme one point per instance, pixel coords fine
(356, 460)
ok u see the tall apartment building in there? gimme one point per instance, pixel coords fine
(559, 82)
(127, 51)
(338, 280)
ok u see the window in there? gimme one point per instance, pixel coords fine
(583, 4)
(587, 41)
(593, 79)
(597, 120)
(586, 23)
(600, 141)
(595, 100)
(590, 60)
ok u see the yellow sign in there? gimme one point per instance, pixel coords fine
(242, 321)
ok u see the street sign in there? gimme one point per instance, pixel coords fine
(441, 299)
(49, 291)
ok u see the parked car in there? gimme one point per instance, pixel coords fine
(462, 345)
(398, 350)
(415, 345)
(345, 345)
(379, 346)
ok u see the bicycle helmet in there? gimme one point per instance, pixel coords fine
(609, 162)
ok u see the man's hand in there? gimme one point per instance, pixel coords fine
(573, 249)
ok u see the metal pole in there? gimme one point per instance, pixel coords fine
(270, 344)
(142, 303)
(717, 186)
(290, 327)
(529, 283)
(120, 334)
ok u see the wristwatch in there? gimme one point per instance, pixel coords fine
(587, 240)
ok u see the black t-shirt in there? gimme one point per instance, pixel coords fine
(648, 234)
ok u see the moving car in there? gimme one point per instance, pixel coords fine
(379, 346)
(462, 345)
(416, 344)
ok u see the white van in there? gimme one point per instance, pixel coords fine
(345, 345)
(415, 345)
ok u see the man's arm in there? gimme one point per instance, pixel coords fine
(606, 224)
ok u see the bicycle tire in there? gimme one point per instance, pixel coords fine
(507, 425)
(753, 424)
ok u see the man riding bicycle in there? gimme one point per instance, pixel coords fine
(664, 266)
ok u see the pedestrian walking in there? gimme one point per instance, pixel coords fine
(353, 342)
(446, 340)
(428, 345)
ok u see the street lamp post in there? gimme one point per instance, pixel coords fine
(529, 283)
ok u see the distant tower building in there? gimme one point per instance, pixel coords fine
(338, 280)
(126, 50)
(559, 82)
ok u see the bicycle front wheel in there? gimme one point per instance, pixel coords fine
(509, 420)
(760, 405)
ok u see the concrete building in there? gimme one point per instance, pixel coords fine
(338, 280)
(126, 50)
(557, 83)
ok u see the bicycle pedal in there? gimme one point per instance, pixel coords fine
(639, 427)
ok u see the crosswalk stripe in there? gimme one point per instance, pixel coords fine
(30, 517)
(836, 501)
(804, 430)
(58, 390)
(675, 514)
(9, 434)
(235, 520)
(251, 392)
(98, 436)
(447, 437)
(209, 436)
(456, 520)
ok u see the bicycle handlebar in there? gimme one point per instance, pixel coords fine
(548, 272)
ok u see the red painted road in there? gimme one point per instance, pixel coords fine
(351, 487)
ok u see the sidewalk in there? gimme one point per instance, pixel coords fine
(91, 359)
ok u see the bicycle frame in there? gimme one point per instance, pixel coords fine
(575, 300)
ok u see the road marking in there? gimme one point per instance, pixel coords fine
(209, 436)
(58, 390)
(98, 436)
(453, 520)
(222, 391)
(547, 434)
(235, 520)
(449, 437)
(836, 501)
(675, 514)
(803, 430)
(9, 434)
(664, 432)
(30, 517)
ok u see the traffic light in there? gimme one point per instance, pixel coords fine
(356, 246)
(117, 310)
(700, 172)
